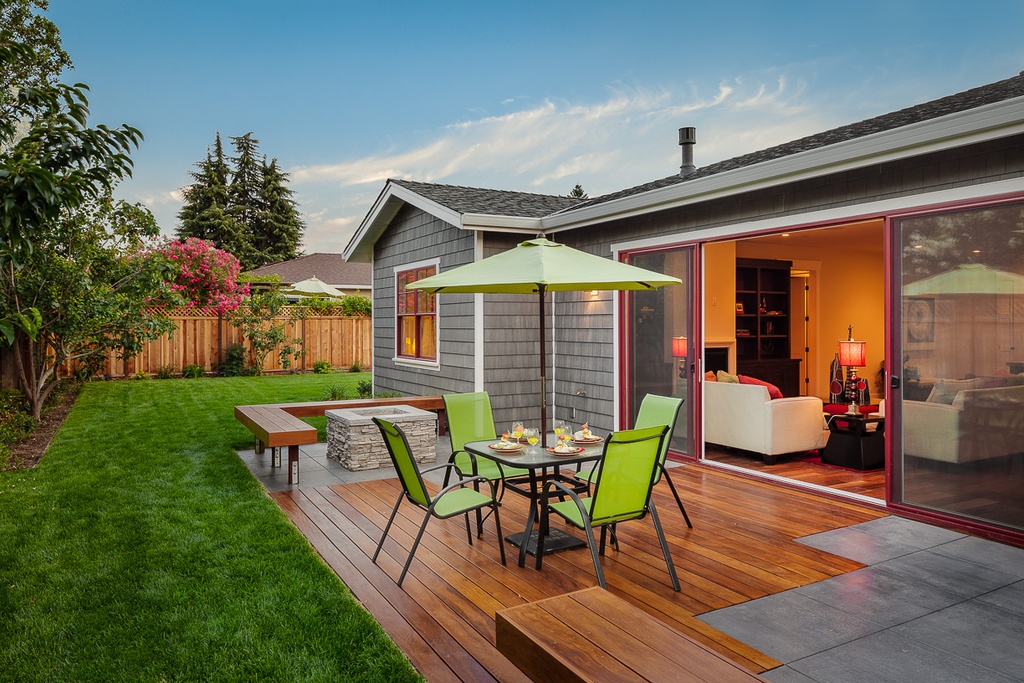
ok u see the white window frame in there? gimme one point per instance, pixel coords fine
(397, 358)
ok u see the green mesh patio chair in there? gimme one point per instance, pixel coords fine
(457, 499)
(654, 411)
(622, 492)
(470, 419)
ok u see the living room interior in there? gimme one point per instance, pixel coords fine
(817, 283)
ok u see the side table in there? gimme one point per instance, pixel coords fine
(851, 444)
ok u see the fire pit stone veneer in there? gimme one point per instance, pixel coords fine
(354, 440)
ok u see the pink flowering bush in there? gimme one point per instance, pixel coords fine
(205, 275)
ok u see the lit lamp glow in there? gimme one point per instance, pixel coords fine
(680, 349)
(853, 355)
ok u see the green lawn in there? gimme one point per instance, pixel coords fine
(141, 549)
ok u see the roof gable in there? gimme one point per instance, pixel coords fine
(477, 200)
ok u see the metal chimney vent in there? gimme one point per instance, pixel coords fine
(687, 139)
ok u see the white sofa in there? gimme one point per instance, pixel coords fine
(980, 424)
(744, 416)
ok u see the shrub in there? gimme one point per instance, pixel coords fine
(365, 388)
(335, 392)
(15, 422)
(90, 367)
(139, 375)
(356, 367)
(322, 367)
(166, 372)
(234, 361)
(354, 304)
(193, 371)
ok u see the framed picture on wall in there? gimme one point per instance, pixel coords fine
(919, 322)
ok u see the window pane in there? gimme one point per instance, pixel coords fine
(407, 326)
(963, 391)
(428, 337)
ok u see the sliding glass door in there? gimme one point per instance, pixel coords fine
(959, 294)
(662, 349)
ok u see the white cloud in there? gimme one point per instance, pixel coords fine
(626, 139)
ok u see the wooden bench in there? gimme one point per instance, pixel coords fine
(592, 635)
(277, 425)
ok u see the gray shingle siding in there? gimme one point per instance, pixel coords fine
(416, 236)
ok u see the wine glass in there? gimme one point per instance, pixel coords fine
(532, 438)
(517, 430)
(561, 429)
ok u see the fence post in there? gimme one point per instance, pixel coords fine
(220, 340)
(303, 344)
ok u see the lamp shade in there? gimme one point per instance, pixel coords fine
(679, 347)
(853, 353)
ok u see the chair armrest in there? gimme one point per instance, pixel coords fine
(460, 483)
(567, 491)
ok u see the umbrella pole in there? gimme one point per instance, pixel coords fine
(543, 374)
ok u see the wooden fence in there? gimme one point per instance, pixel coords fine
(203, 338)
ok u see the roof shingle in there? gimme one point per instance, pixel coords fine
(465, 200)
(330, 268)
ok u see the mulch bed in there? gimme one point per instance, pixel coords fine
(28, 453)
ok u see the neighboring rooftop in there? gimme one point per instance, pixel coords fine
(332, 269)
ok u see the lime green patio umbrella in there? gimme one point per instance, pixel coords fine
(539, 266)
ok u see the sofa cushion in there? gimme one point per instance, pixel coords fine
(773, 390)
(710, 376)
(724, 376)
(945, 390)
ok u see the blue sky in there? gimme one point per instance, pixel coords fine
(530, 96)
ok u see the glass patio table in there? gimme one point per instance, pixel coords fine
(543, 467)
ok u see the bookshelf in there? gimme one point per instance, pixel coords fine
(763, 323)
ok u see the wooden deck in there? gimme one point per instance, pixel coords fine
(741, 548)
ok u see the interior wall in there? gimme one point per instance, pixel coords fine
(720, 292)
(851, 290)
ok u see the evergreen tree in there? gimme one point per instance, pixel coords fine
(242, 205)
(278, 233)
(578, 193)
(246, 183)
(206, 199)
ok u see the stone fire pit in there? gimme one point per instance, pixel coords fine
(354, 440)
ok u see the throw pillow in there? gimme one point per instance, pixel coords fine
(724, 376)
(945, 390)
(773, 391)
(710, 376)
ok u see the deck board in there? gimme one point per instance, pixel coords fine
(741, 547)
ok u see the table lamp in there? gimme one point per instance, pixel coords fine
(853, 355)
(680, 348)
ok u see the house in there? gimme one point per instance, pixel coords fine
(331, 269)
(781, 252)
